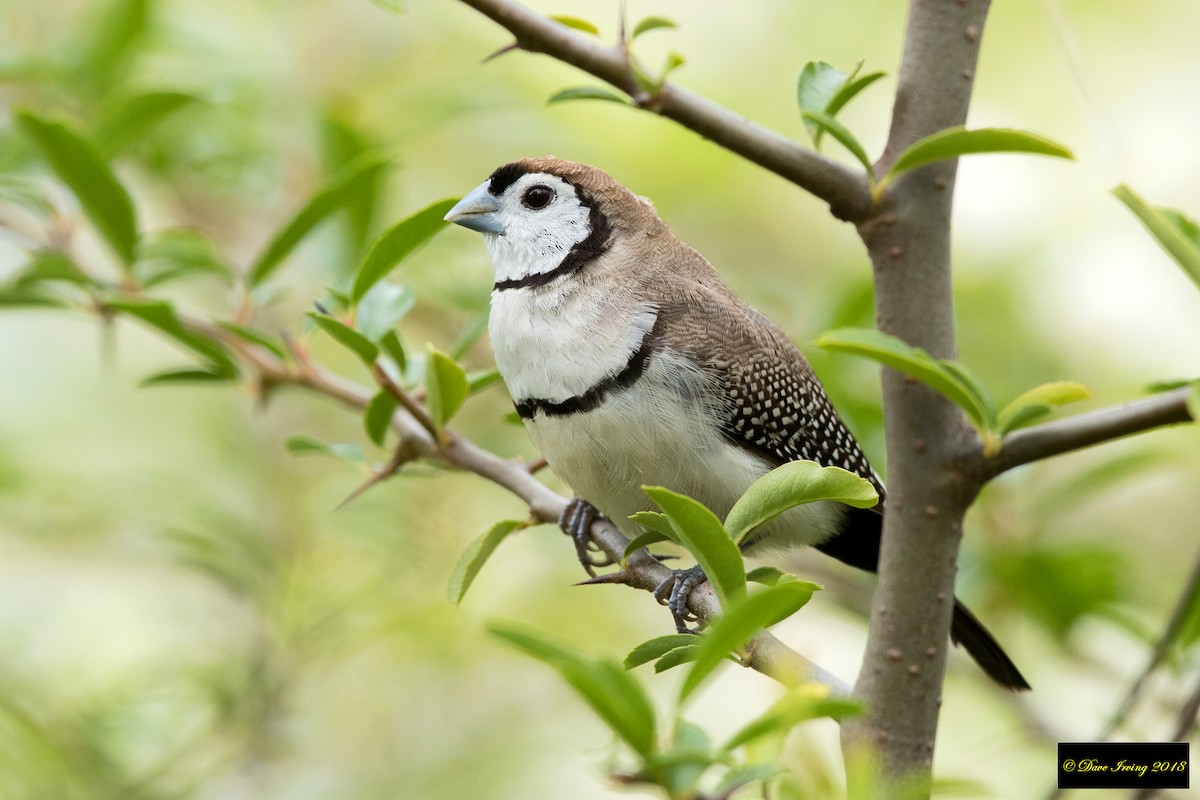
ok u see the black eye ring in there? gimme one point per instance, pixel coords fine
(537, 196)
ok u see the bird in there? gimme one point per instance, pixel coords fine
(632, 362)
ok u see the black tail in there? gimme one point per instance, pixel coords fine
(858, 546)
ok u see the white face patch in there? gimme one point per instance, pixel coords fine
(536, 239)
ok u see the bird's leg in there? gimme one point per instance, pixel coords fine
(576, 521)
(674, 591)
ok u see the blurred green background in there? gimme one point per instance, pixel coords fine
(184, 614)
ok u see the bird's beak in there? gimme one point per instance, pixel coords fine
(478, 211)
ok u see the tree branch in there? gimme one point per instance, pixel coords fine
(844, 189)
(765, 653)
(1084, 430)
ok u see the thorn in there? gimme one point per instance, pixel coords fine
(620, 576)
(322, 309)
(506, 49)
(535, 466)
(622, 41)
(402, 455)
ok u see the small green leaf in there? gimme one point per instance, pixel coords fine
(482, 379)
(793, 484)
(130, 118)
(768, 576)
(27, 297)
(161, 315)
(392, 346)
(253, 337)
(972, 385)
(816, 86)
(470, 334)
(676, 657)
(674, 62)
(301, 444)
(615, 695)
(346, 336)
(52, 265)
(891, 352)
(476, 555)
(651, 24)
(397, 243)
(1038, 402)
(735, 627)
(840, 132)
(384, 305)
(113, 38)
(377, 416)
(586, 93)
(955, 142)
(576, 23)
(78, 164)
(643, 540)
(333, 196)
(176, 252)
(699, 530)
(445, 387)
(654, 521)
(805, 702)
(654, 648)
(844, 95)
(1175, 233)
(744, 776)
(189, 376)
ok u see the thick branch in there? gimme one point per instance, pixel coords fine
(844, 189)
(1084, 430)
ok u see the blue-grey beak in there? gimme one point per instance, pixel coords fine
(478, 211)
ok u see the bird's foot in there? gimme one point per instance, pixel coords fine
(674, 592)
(576, 521)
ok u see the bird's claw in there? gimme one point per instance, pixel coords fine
(674, 592)
(576, 521)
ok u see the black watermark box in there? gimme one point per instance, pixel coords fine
(1123, 765)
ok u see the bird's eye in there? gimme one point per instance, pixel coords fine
(537, 196)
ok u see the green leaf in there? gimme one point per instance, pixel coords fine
(972, 385)
(699, 530)
(891, 352)
(955, 142)
(476, 555)
(129, 119)
(1175, 233)
(793, 484)
(189, 376)
(333, 196)
(643, 540)
(586, 93)
(470, 334)
(161, 315)
(382, 307)
(840, 132)
(735, 627)
(300, 444)
(27, 297)
(392, 346)
(121, 24)
(676, 657)
(674, 62)
(768, 576)
(844, 95)
(77, 164)
(656, 522)
(651, 24)
(377, 416)
(805, 702)
(52, 265)
(1038, 402)
(176, 252)
(341, 144)
(744, 776)
(613, 693)
(816, 86)
(253, 337)
(346, 336)
(482, 379)
(445, 387)
(397, 243)
(576, 23)
(657, 647)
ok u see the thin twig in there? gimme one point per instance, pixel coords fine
(843, 188)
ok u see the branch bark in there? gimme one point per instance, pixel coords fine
(844, 189)
(1085, 430)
